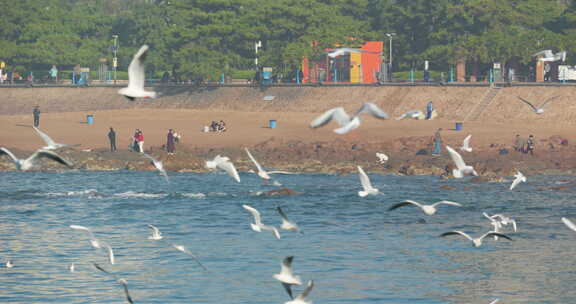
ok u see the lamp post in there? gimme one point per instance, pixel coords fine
(115, 59)
(390, 35)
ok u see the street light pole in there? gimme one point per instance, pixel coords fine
(115, 59)
(390, 35)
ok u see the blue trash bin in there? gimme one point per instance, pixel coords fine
(272, 124)
(458, 126)
(89, 119)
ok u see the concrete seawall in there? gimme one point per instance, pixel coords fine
(452, 102)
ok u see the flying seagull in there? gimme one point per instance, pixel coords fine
(461, 167)
(414, 114)
(346, 122)
(287, 224)
(9, 264)
(223, 163)
(265, 175)
(136, 77)
(477, 242)
(50, 144)
(466, 144)
(93, 240)
(258, 226)
(186, 251)
(287, 277)
(121, 281)
(382, 158)
(539, 109)
(519, 177)
(301, 299)
(427, 209)
(366, 184)
(502, 219)
(158, 165)
(156, 234)
(343, 51)
(28, 163)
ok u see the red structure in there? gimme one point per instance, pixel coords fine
(354, 67)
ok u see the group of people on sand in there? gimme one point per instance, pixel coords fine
(524, 145)
(217, 126)
(137, 141)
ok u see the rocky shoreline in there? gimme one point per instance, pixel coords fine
(407, 156)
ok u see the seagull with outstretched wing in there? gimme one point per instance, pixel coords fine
(346, 122)
(539, 109)
(28, 163)
(137, 77)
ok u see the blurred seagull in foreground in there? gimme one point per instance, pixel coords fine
(287, 224)
(287, 277)
(50, 144)
(539, 109)
(427, 209)
(301, 299)
(265, 175)
(158, 165)
(343, 51)
(477, 242)
(346, 122)
(461, 167)
(93, 240)
(414, 114)
(156, 234)
(9, 264)
(223, 163)
(466, 144)
(366, 184)
(28, 163)
(121, 281)
(137, 77)
(258, 226)
(519, 177)
(569, 223)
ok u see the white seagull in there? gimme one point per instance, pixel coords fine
(223, 163)
(519, 177)
(343, 51)
(569, 223)
(186, 251)
(427, 209)
(382, 158)
(477, 242)
(265, 175)
(461, 167)
(28, 163)
(93, 240)
(301, 299)
(548, 56)
(110, 254)
(539, 109)
(346, 122)
(50, 144)
(258, 226)
(366, 184)
(71, 267)
(126, 293)
(156, 234)
(287, 277)
(466, 144)
(287, 224)
(158, 165)
(414, 114)
(9, 264)
(504, 220)
(136, 77)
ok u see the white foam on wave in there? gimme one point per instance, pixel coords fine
(140, 194)
(89, 192)
(194, 195)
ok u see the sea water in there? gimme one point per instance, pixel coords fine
(354, 249)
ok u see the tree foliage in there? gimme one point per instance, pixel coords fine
(203, 38)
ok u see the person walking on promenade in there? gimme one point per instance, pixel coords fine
(112, 138)
(36, 113)
(437, 142)
(140, 141)
(170, 144)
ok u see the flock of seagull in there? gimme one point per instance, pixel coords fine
(346, 122)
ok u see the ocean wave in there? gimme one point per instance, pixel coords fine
(194, 195)
(87, 192)
(140, 194)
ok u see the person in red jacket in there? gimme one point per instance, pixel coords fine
(140, 139)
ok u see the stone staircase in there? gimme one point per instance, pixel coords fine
(489, 97)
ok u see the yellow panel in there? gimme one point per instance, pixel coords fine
(355, 67)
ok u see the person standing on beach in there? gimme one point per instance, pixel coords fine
(140, 141)
(437, 142)
(36, 113)
(170, 146)
(112, 138)
(530, 145)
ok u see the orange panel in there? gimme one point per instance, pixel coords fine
(371, 60)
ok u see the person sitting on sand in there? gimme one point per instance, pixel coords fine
(213, 126)
(221, 126)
